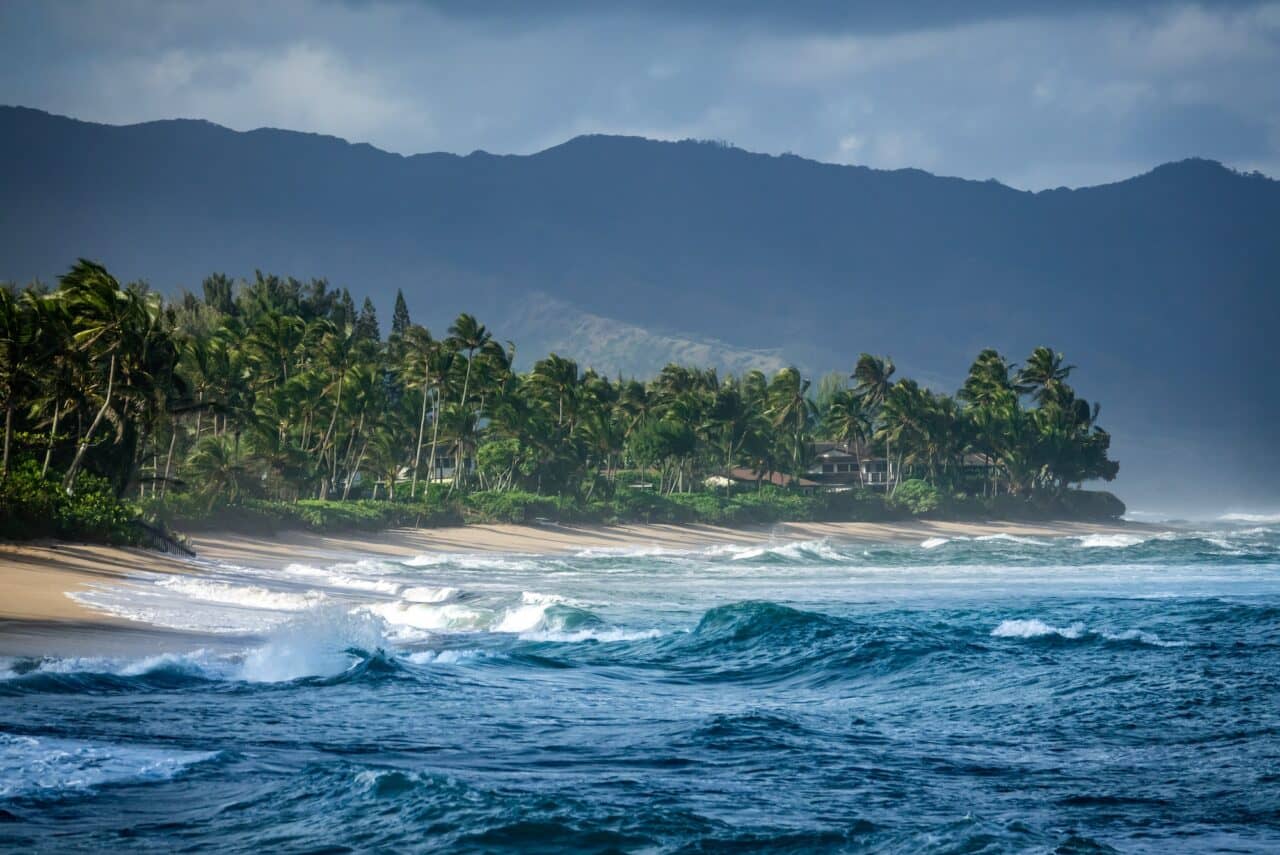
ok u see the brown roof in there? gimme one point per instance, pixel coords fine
(778, 479)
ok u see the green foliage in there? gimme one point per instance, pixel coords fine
(276, 403)
(32, 506)
(517, 506)
(918, 498)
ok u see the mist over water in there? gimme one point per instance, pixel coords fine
(988, 694)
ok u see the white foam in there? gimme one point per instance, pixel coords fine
(630, 552)
(590, 634)
(197, 663)
(1144, 637)
(1111, 541)
(318, 644)
(795, 551)
(355, 583)
(471, 561)
(424, 594)
(304, 570)
(934, 542)
(243, 596)
(531, 614)
(32, 766)
(1010, 538)
(1033, 628)
(448, 616)
(347, 576)
(444, 657)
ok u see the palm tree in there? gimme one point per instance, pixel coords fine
(420, 352)
(467, 334)
(557, 378)
(107, 321)
(215, 467)
(989, 378)
(20, 334)
(60, 366)
(1044, 375)
(873, 377)
(791, 409)
(846, 420)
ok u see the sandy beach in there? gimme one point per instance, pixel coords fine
(36, 578)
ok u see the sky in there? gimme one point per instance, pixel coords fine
(1035, 94)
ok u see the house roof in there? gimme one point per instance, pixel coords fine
(822, 447)
(778, 479)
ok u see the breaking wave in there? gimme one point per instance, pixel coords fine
(1031, 628)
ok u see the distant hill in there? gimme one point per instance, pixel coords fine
(626, 252)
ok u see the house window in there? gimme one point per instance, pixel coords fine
(828, 468)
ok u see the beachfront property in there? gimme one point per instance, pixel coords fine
(446, 467)
(843, 466)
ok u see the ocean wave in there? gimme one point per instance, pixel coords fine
(934, 542)
(796, 551)
(88, 675)
(441, 617)
(472, 561)
(740, 622)
(324, 642)
(242, 596)
(1034, 628)
(444, 657)
(1117, 540)
(42, 767)
(346, 576)
(604, 635)
(425, 594)
(1031, 628)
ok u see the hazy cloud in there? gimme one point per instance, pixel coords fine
(1022, 92)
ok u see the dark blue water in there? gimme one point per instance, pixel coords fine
(1067, 695)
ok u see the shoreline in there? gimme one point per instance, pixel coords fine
(38, 617)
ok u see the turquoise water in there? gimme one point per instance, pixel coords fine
(990, 695)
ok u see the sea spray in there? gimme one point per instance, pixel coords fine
(323, 642)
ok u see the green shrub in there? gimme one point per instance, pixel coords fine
(34, 507)
(917, 498)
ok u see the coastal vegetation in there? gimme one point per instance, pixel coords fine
(276, 402)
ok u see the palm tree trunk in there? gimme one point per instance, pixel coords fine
(69, 481)
(435, 438)
(168, 458)
(53, 433)
(422, 424)
(462, 406)
(337, 405)
(351, 476)
(8, 433)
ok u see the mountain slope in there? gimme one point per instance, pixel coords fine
(1162, 287)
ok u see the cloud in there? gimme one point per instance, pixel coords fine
(1022, 92)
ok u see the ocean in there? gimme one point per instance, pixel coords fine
(1115, 692)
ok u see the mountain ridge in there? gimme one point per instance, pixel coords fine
(1138, 281)
(1191, 161)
